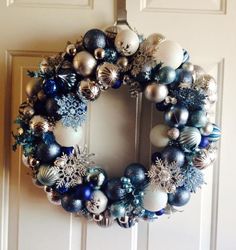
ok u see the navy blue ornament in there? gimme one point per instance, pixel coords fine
(185, 77)
(111, 55)
(50, 87)
(117, 84)
(83, 192)
(204, 142)
(94, 39)
(136, 172)
(51, 108)
(173, 154)
(163, 106)
(167, 75)
(145, 74)
(39, 108)
(155, 156)
(179, 198)
(160, 212)
(71, 204)
(47, 153)
(114, 189)
(67, 150)
(176, 116)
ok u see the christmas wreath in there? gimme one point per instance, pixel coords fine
(50, 120)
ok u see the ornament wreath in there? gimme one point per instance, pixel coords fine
(50, 129)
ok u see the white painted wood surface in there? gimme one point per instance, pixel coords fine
(33, 28)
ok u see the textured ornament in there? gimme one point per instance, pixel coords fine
(176, 116)
(39, 125)
(215, 134)
(47, 175)
(127, 42)
(156, 92)
(89, 90)
(71, 204)
(114, 189)
(190, 138)
(202, 159)
(136, 172)
(207, 83)
(94, 39)
(159, 136)
(180, 198)
(98, 202)
(96, 177)
(173, 154)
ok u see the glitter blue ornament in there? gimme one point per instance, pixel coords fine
(167, 75)
(94, 39)
(71, 204)
(198, 118)
(185, 77)
(215, 134)
(180, 198)
(114, 189)
(50, 87)
(136, 172)
(117, 210)
(173, 154)
(47, 153)
(111, 55)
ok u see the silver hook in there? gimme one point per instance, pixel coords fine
(121, 14)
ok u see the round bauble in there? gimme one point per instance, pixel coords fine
(42, 97)
(98, 202)
(176, 116)
(180, 198)
(84, 63)
(47, 153)
(71, 204)
(39, 125)
(127, 42)
(136, 172)
(67, 136)
(215, 134)
(33, 87)
(204, 142)
(166, 75)
(94, 39)
(207, 129)
(190, 138)
(206, 83)
(154, 199)
(122, 63)
(47, 175)
(173, 133)
(88, 89)
(188, 66)
(170, 54)
(54, 198)
(83, 192)
(159, 136)
(99, 53)
(117, 210)
(50, 87)
(114, 189)
(173, 154)
(156, 92)
(202, 159)
(71, 49)
(198, 118)
(96, 177)
(155, 39)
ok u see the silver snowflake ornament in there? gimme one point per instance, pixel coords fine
(72, 168)
(166, 176)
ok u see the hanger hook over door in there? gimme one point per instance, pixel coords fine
(121, 14)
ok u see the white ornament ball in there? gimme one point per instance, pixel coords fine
(170, 54)
(98, 202)
(67, 136)
(154, 200)
(127, 42)
(159, 135)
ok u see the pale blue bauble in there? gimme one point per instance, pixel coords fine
(167, 75)
(215, 134)
(198, 118)
(117, 210)
(190, 138)
(180, 198)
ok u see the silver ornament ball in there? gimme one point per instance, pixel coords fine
(156, 92)
(155, 39)
(122, 62)
(39, 125)
(99, 53)
(207, 83)
(98, 202)
(89, 89)
(173, 133)
(47, 175)
(33, 86)
(71, 49)
(188, 66)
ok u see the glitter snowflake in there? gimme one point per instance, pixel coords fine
(193, 178)
(72, 168)
(72, 110)
(166, 176)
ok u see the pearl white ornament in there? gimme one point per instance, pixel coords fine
(156, 92)
(170, 54)
(154, 200)
(67, 136)
(127, 42)
(159, 135)
(98, 202)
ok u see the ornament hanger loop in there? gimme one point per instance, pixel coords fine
(121, 14)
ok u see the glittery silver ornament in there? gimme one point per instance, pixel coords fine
(188, 66)
(112, 31)
(207, 129)
(71, 49)
(84, 63)
(98, 202)
(88, 89)
(190, 138)
(47, 175)
(155, 39)
(99, 53)
(38, 124)
(156, 92)
(54, 198)
(33, 86)
(107, 74)
(206, 83)
(106, 220)
(173, 133)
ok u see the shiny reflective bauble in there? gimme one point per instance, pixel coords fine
(71, 49)
(154, 199)
(207, 129)
(126, 221)
(197, 72)
(98, 202)
(106, 220)
(94, 39)
(173, 133)
(122, 62)
(127, 42)
(166, 75)
(198, 118)
(112, 31)
(39, 125)
(114, 189)
(107, 74)
(136, 172)
(47, 175)
(96, 177)
(155, 39)
(202, 159)
(156, 92)
(47, 153)
(84, 63)
(204, 142)
(170, 54)
(185, 76)
(89, 90)
(180, 198)
(71, 204)
(67, 136)
(99, 53)
(173, 154)
(159, 136)
(188, 66)
(117, 210)
(33, 86)
(207, 83)
(176, 116)
(54, 198)
(215, 134)
(83, 192)
(50, 87)
(28, 111)
(190, 138)
(42, 97)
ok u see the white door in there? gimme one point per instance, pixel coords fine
(31, 29)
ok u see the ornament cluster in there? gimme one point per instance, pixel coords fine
(50, 126)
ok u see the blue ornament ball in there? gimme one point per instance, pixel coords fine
(114, 189)
(51, 108)
(173, 154)
(82, 192)
(160, 212)
(47, 153)
(136, 172)
(163, 106)
(204, 142)
(67, 150)
(117, 210)
(117, 84)
(71, 204)
(50, 87)
(180, 198)
(61, 190)
(167, 75)
(215, 134)
(94, 39)
(111, 55)
(185, 77)
(198, 118)
(176, 116)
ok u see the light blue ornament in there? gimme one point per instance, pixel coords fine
(117, 210)
(215, 135)
(179, 198)
(198, 118)
(167, 75)
(190, 138)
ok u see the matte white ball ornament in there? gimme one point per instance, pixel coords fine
(127, 42)
(170, 54)
(98, 202)
(67, 136)
(159, 135)
(154, 200)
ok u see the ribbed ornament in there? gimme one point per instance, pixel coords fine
(215, 134)
(190, 138)
(47, 175)
(202, 159)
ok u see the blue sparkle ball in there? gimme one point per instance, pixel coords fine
(185, 77)
(50, 87)
(136, 173)
(167, 75)
(94, 39)
(204, 142)
(111, 55)
(179, 198)
(83, 192)
(71, 204)
(114, 189)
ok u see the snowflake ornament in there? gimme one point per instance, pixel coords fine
(165, 176)
(72, 168)
(72, 110)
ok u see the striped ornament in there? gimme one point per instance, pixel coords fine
(215, 135)
(190, 138)
(47, 175)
